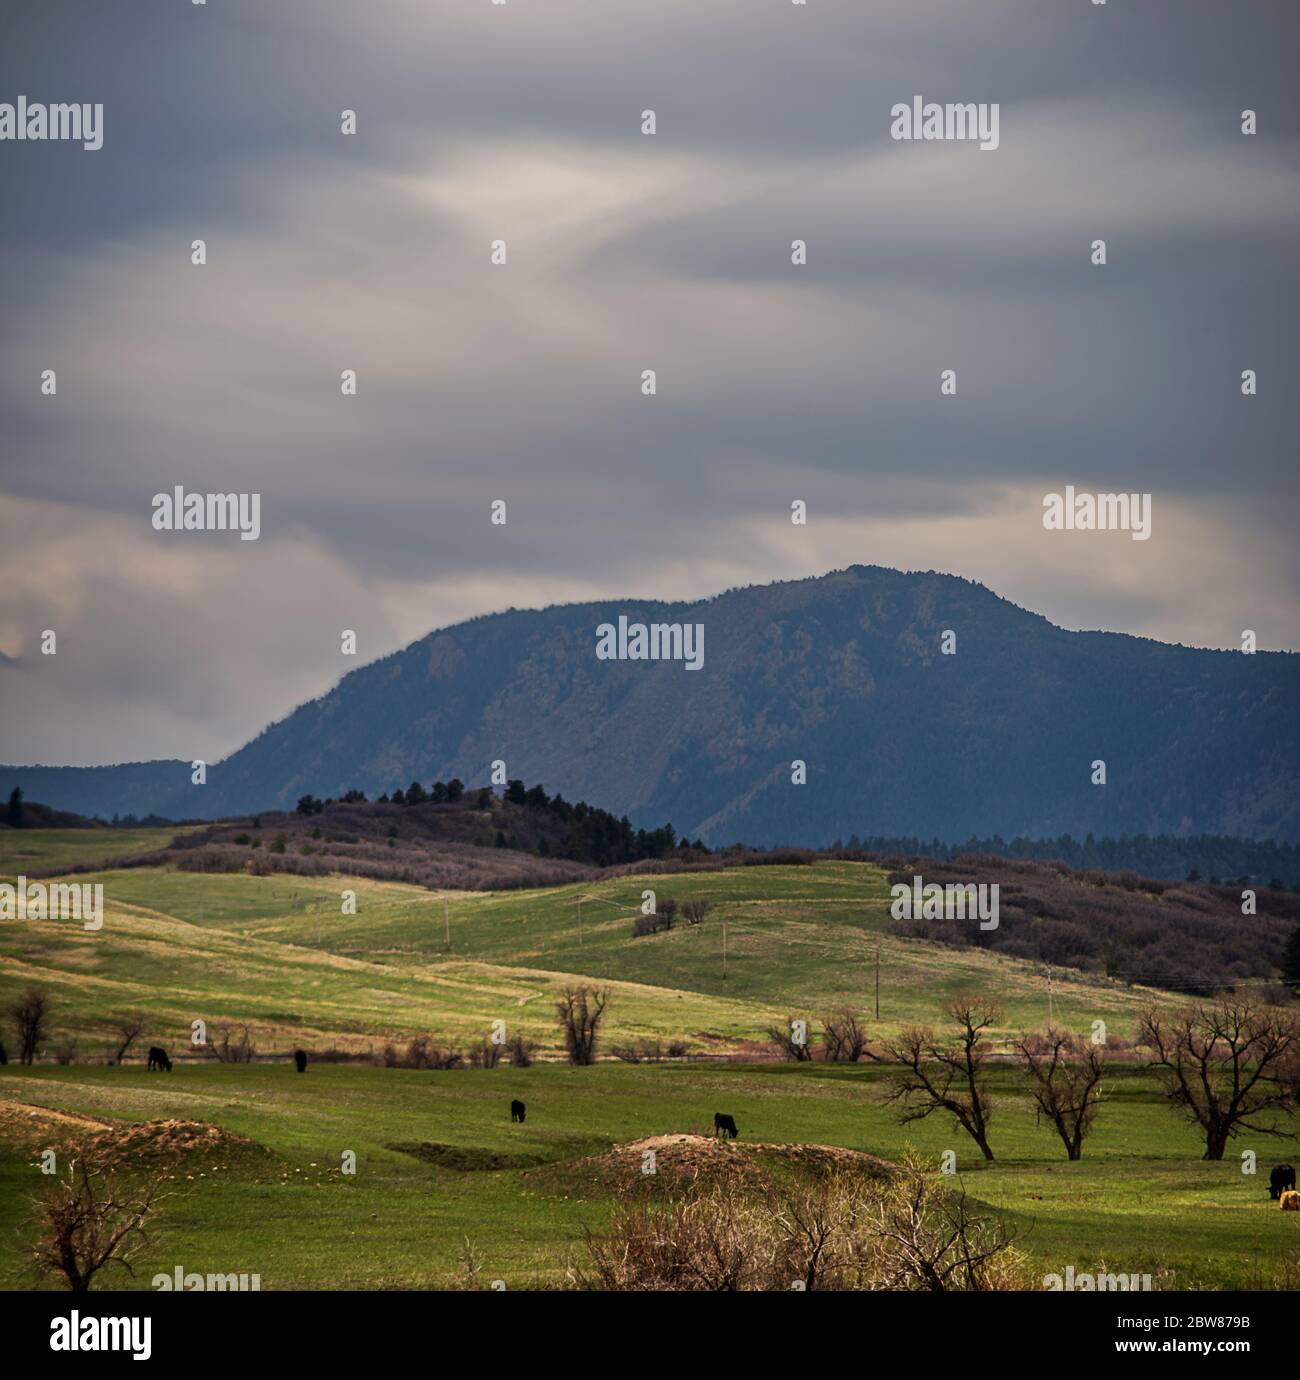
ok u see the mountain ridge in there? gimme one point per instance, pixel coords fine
(842, 671)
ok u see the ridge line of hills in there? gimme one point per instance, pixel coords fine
(846, 673)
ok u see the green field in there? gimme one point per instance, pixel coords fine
(1141, 1200)
(32, 850)
(278, 955)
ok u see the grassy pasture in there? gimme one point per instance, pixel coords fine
(278, 954)
(29, 850)
(1140, 1200)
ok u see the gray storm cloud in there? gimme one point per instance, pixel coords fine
(521, 122)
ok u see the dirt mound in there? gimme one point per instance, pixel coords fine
(25, 1125)
(172, 1141)
(675, 1161)
(126, 1144)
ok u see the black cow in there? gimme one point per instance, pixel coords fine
(300, 1058)
(724, 1125)
(516, 1110)
(158, 1060)
(1283, 1176)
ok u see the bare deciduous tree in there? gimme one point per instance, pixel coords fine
(1224, 1064)
(129, 1026)
(843, 1039)
(580, 1013)
(946, 1077)
(31, 1014)
(1067, 1075)
(792, 1038)
(92, 1217)
(237, 1051)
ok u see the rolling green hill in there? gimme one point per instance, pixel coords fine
(33, 851)
(277, 953)
(442, 1171)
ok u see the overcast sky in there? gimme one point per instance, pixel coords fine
(476, 382)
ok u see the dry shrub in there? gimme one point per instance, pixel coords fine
(469, 1276)
(90, 1217)
(485, 1055)
(907, 1232)
(712, 1240)
(239, 1050)
(647, 1052)
(843, 1039)
(422, 1053)
(783, 1037)
(924, 1235)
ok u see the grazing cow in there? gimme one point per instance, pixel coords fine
(516, 1110)
(158, 1060)
(300, 1058)
(1290, 1200)
(724, 1125)
(1282, 1177)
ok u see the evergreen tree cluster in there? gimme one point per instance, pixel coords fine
(576, 832)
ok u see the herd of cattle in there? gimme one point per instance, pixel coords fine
(723, 1125)
(1281, 1181)
(158, 1059)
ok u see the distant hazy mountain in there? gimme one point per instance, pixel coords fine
(844, 673)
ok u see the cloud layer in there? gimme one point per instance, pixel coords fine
(521, 383)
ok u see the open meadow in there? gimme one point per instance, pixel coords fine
(1141, 1200)
(442, 1176)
